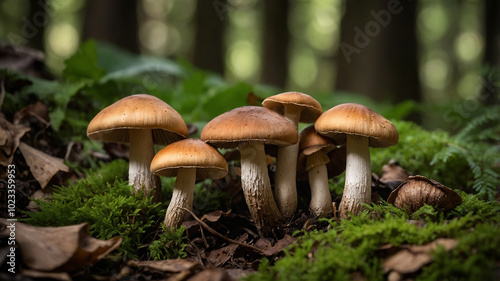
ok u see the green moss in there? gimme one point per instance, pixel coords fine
(104, 200)
(169, 245)
(351, 247)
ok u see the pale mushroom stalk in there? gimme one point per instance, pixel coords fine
(285, 189)
(321, 199)
(182, 197)
(141, 152)
(357, 189)
(257, 187)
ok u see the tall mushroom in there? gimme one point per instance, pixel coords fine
(295, 107)
(142, 121)
(188, 160)
(314, 150)
(358, 127)
(248, 128)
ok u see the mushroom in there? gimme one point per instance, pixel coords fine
(248, 128)
(295, 107)
(358, 127)
(314, 150)
(142, 121)
(188, 160)
(416, 191)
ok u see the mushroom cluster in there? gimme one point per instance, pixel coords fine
(338, 141)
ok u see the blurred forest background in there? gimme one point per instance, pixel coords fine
(431, 52)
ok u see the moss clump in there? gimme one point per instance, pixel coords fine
(104, 200)
(351, 247)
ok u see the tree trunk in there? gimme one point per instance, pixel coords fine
(112, 21)
(490, 92)
(209, 49)
(275, 43)
(378, 50)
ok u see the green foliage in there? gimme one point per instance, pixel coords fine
(106, 202)
(169, 245)
(351, 247)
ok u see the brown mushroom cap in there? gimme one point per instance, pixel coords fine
(249, 124)
(419, 190)
(142, 111)
(311, 142)
(356, 119)
(189, 153)
(311, 108)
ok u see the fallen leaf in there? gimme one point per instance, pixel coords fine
(220, 256)
(413, 257)
(38, 110)
(393, 172)
(215, 215)
(62, 276)
(58, 249)
(211, 274)
(10, 137)
(279, 246)
(42, 166)
(174, 265)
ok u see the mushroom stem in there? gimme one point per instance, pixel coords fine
(141, 152)
(321, 199)
(257, 187)
(285, 186)
(357, 189)
(182, 197)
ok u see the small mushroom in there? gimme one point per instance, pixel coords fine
(188, 160)
(248, 128)
(295, 107)
(417, 191)
(358, 127)
(314, 150)
(142, 121)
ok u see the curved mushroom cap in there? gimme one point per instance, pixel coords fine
(311, 108)
(249, 124)
(418, 190)
(356, 119)
(142, 111)
(189, 153)
(311, 142)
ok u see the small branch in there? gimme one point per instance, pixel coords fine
(214, 232)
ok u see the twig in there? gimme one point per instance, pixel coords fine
(214, 232)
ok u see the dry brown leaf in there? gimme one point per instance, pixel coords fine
(211, 274)
(279, 246)
(59, 249)
(10, 136)
(38, 110)
(220, 256)
(62, 276)
(174, 266)
(42, 166)
(413, 257)
(215, 215)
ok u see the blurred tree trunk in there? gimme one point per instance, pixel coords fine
(378, 50)
(209, 48)
(490, 92)
(34, 24)
(275, 43)
(112, 21)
